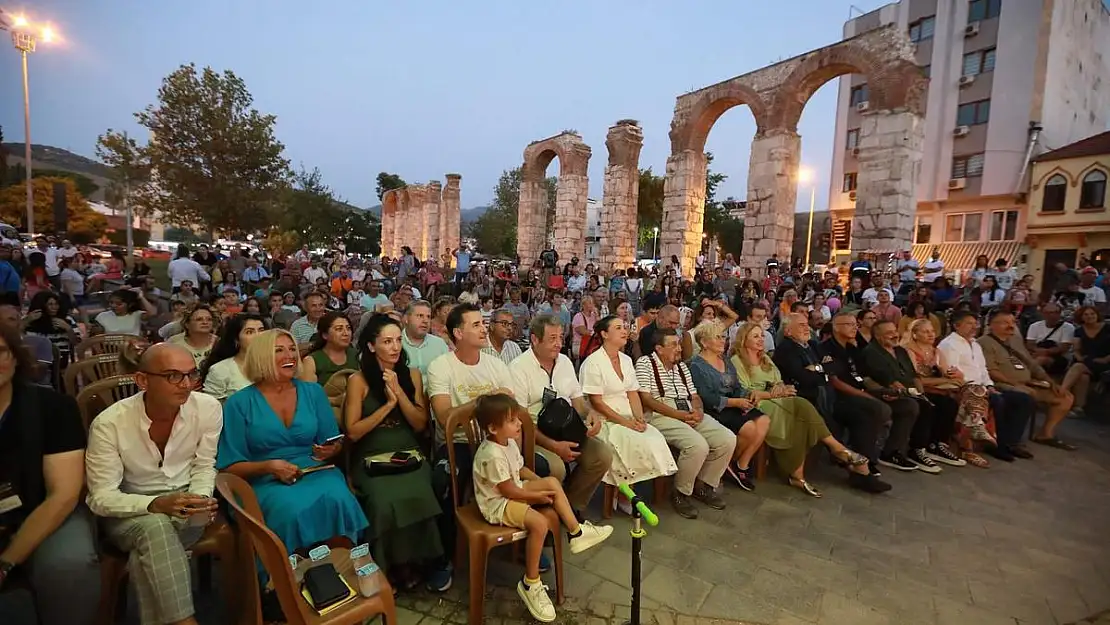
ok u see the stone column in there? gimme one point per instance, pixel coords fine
(402, 231)
(570, 203)
(417, 223)
(890, 151)
(389, 221)
(530, 216)
(772, 191)
(619, 197)
(683, 209)
(432, 202)
(450, 225)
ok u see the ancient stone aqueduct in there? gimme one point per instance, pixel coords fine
(889, 159)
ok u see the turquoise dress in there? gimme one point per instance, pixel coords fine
(319, 506)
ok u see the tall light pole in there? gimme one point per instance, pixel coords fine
(804, 176)
(655, 251)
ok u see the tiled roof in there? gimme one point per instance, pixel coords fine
(963, 255)
(1091, 146)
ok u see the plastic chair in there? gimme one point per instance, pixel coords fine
(110, 343)
(275, 559)
(480, 537)
(97, 396)
(89, 370)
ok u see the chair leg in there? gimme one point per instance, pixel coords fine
(761, 462)
(460, 548)
(659, 490)
(204, 572)
(609, 494)
(478, 557)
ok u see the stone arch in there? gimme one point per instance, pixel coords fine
(570, 197)
(690, 131)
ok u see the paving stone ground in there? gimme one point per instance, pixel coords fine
(1015, 544)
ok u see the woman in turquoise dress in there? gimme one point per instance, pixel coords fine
(274, 430)
(384, 414)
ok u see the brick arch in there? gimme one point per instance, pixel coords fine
(691, 132)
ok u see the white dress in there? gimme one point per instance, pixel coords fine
(639, 456)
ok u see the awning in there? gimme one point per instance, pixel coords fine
(963, 255)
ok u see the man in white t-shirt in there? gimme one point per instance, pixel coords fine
(1049, 341)
(1092, 295)
(934, 268)
(871, 295)
(542, 374)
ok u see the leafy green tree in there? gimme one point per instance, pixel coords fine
(85, 185)
(387, 182)
(83, 223)
(363, 232)
(649, 205)
(130, 165)
(311, 214)
(216, 162)
(495, 230)
(728, 230)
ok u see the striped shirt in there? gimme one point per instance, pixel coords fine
(665, 386)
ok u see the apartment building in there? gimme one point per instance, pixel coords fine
(1009, 80)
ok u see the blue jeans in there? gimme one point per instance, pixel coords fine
(1012, 411)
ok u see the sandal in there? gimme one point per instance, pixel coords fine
(850, 457)
(805, 487)
(976, 460)
(1052, 441)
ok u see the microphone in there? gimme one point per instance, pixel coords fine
(639, 505)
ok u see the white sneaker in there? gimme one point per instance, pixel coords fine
(536, 600)
(592, 535)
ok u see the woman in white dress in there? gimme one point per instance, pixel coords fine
(222, 373)
(608, 379)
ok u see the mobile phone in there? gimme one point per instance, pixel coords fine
(335, 439)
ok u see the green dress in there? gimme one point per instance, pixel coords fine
(402, 509)
(796, 426)
(325, 368)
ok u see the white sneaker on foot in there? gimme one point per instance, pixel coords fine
(536, 600)
(592, 535)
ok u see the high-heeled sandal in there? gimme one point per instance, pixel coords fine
(851, 458)
(805, 487)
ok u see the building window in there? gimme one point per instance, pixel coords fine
(1093, 192)
(860, 93)
(963, 227)
(850, 182)
(1055, 194)
(983, 9)
(973, 113)
(853, 139)
(979, 62)
(967, 166)
(922, 29)
(1004, 225)
(924, 229)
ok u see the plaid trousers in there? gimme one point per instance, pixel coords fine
(158, 564)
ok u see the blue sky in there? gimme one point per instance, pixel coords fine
(426, 87)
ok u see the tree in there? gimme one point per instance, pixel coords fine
(728, 230)
(130, 165)
(388, 182)
(84, 224)
(649, 205)
(214, 159)
(495, 230)
(363, 232)
(309, 213)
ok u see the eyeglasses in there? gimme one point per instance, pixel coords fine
(503, 322)
(177, 377)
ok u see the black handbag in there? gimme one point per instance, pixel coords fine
(558, 420)
(325, 586)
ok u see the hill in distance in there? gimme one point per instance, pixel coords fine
(466, 215)
(50, 157)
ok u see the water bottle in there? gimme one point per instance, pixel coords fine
(367, 571)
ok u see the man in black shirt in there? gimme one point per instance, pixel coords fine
(666, 320)
(801, 365)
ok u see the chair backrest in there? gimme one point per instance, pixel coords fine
(267, 546)
(474, 438)
(111, 343)
(89, 370)
(95, 397)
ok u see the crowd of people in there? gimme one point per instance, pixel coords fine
(331, 384)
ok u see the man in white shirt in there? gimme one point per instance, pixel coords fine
(1049, 340)
(373, 296)
(871, 295)
(315, 272)
(151, 471)
(577, 281)
(1004, 275)
(934, 268)
(183, 269)
(908, 267)
(1092, 295)
(51, 255)
(542, 374)
(501, 345)
(315, 305)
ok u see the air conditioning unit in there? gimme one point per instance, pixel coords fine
(855, 151)
(972, 29)
(852, 196)
(862, 106)
(966, 80)
(961, 131)
(957, 183)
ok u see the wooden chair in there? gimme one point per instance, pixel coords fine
(104, 344)
(275, 559)
(479, 537)
(97, 396)
(92, 369)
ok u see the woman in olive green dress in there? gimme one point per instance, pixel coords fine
(383, 414)
(331, 350)
(796, 426)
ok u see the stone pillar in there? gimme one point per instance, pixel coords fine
(619, 197)
(890, 151)
(450, 224)
(683, 209)
(570, 203)
(432, 203)
(402, 231)
(417, 223)
(772, 192)
(389, 223)
(530, 216)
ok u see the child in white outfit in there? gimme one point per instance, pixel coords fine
(506, 492)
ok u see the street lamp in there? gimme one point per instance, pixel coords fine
(25, 34)
(655, 252)
(805, 175)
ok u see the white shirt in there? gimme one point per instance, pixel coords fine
(677, 383)
(509, 351)
(871, 295)
(933, 269)
(967, 356)
(529, 379)
(599, 378)
(992, 298)
(312, 273)
(1092, 296)
(73, 282)
(67, 252)
(494, 464)
(185, 268)
(1039, 331)
(51, 254)
(131, 323)
(125, 471)
(463, 383)
(224, 379)
(576, 283)
(1005, 279)
(907, 269)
